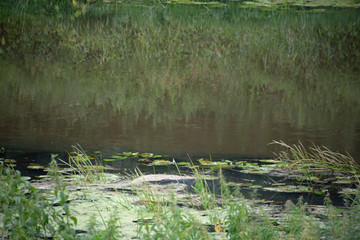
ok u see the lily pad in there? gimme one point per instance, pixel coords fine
(255, 186)
(160, 163)
(146, 155)
(241, 163)
(119, 157)
(131, 154)
(109, 159)
(251, 165)
(182, 163)
(278, 184)
(145, 160)
(217, 165)
(269, 161)
(25, 178)
(233, 184)
(150, 155)
(289, 189)
(9, 161)
(269, 166)
(307, 178)
(320, 191)
(206, 162)
(35, 166)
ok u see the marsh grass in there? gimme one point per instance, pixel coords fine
(278, 42)
(207, 197)
(148, 193)
(89, 170)
(317, 158)
(171, 222)
(238, 218)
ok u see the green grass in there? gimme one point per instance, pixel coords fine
(320, 158)
(89, 169)
(278, 42)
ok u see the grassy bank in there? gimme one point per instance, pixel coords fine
(284, 43)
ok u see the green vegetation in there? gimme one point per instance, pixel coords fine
(28, 212)
(88, 168)
(163, 62)
(276, 42)
(144, 57)
(318, 163)
(320, 158)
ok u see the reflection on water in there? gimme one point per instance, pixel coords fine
(194, 109)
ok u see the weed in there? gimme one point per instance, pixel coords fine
(173, 223)
(317, 159)
(26, 214)
(89, 170)
(110, 232)
(242, 222)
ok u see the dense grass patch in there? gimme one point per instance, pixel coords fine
(278, 42)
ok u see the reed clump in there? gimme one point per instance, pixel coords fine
(88, 169)
(317, 158)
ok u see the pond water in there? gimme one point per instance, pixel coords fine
(117, 107)
(153, 94)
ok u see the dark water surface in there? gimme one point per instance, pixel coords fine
(119, 107)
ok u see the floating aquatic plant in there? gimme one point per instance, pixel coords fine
(160, 163)
(289, 189)
(216, 164)
(150, 155)
(35, 166)
(131, 154)
(9, 161)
